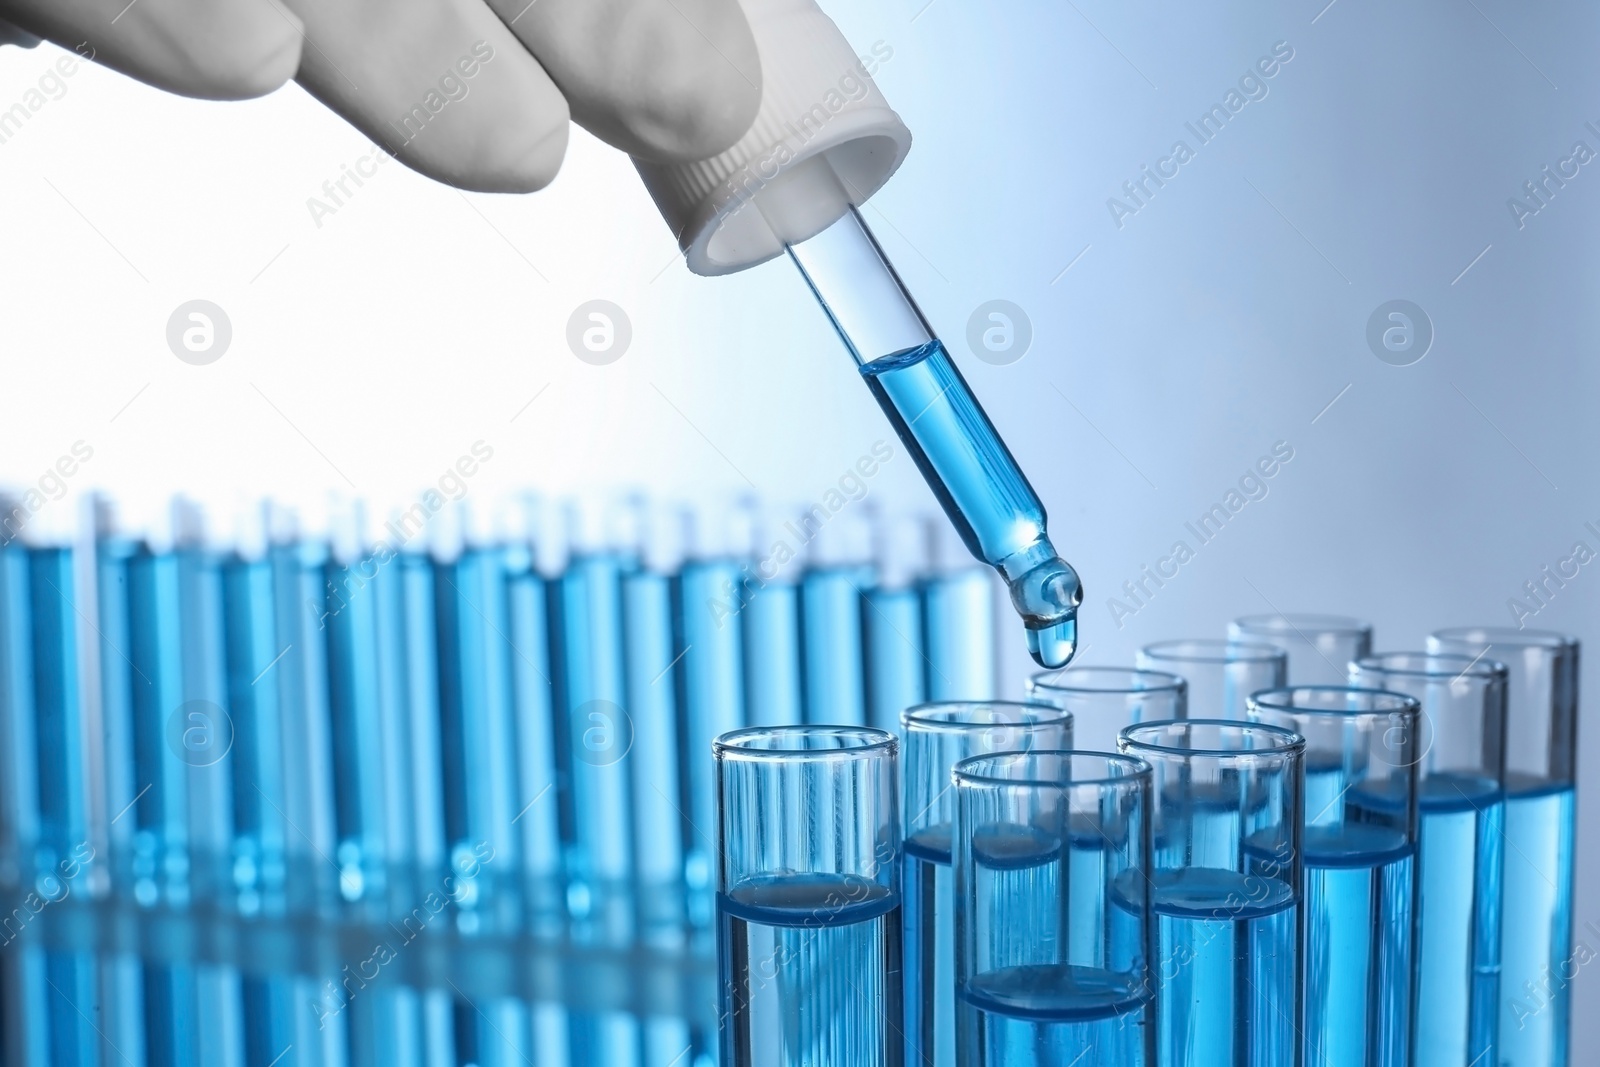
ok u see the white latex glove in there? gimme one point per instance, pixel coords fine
(474, 93)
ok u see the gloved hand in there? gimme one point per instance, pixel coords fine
(474, 93)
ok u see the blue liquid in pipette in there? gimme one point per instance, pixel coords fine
(1458, 934)
(810, 968)
(1225, 966)
(1358, 892)
(1536, 956)
(995, 510)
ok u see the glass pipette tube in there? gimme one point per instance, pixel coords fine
(954, 444)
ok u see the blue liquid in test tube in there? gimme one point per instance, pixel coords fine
(254, 700)
(307, 804)
(933, 411)
(476, 733)
(593, 732)
(19, 785)
(937, 737)
(1225, 890)
(891, 622)
(537, 820)
(1052, 953)
(647, 612)
(838, 575)
(1360, 867)
(770, 628)
(958, 628)
(1461, 803)
(711, 673)
(808, 897)
(63, 840)
(430, 847)
(1536, 953)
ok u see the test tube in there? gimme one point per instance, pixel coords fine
(254, 698)
(1226, 889)
(770, 628)
(360, 710)
(1320, 647)
(63, 843)
(1461, 811)
(1103, 700)
(1221, 674)
(1053, 923)
(421, 726)
(708, 633)
(19, 786)
(933, 411)
(537, 821)
(306, 806)
(477, 730)
(808, 897)
(958, 624)
(838, 574)
(1360, 842)
(1536, 951)
(937, 737)
(647, 622)
(891, 623)
(593, 732)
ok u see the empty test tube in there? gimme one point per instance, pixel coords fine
(933, 411)
(1320, 648)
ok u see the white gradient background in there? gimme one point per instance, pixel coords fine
(1223, 317)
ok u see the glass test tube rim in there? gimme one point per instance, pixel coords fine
(966, 772)
(931, 716)
(1215, 650)
(1282, 624)
(1289, 743)
(1271, 700)
(866, 743)
(1418, 665)
(1489, 636)
(1052, 681)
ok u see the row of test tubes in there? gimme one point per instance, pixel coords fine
(1274, 849)
(468, 730)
